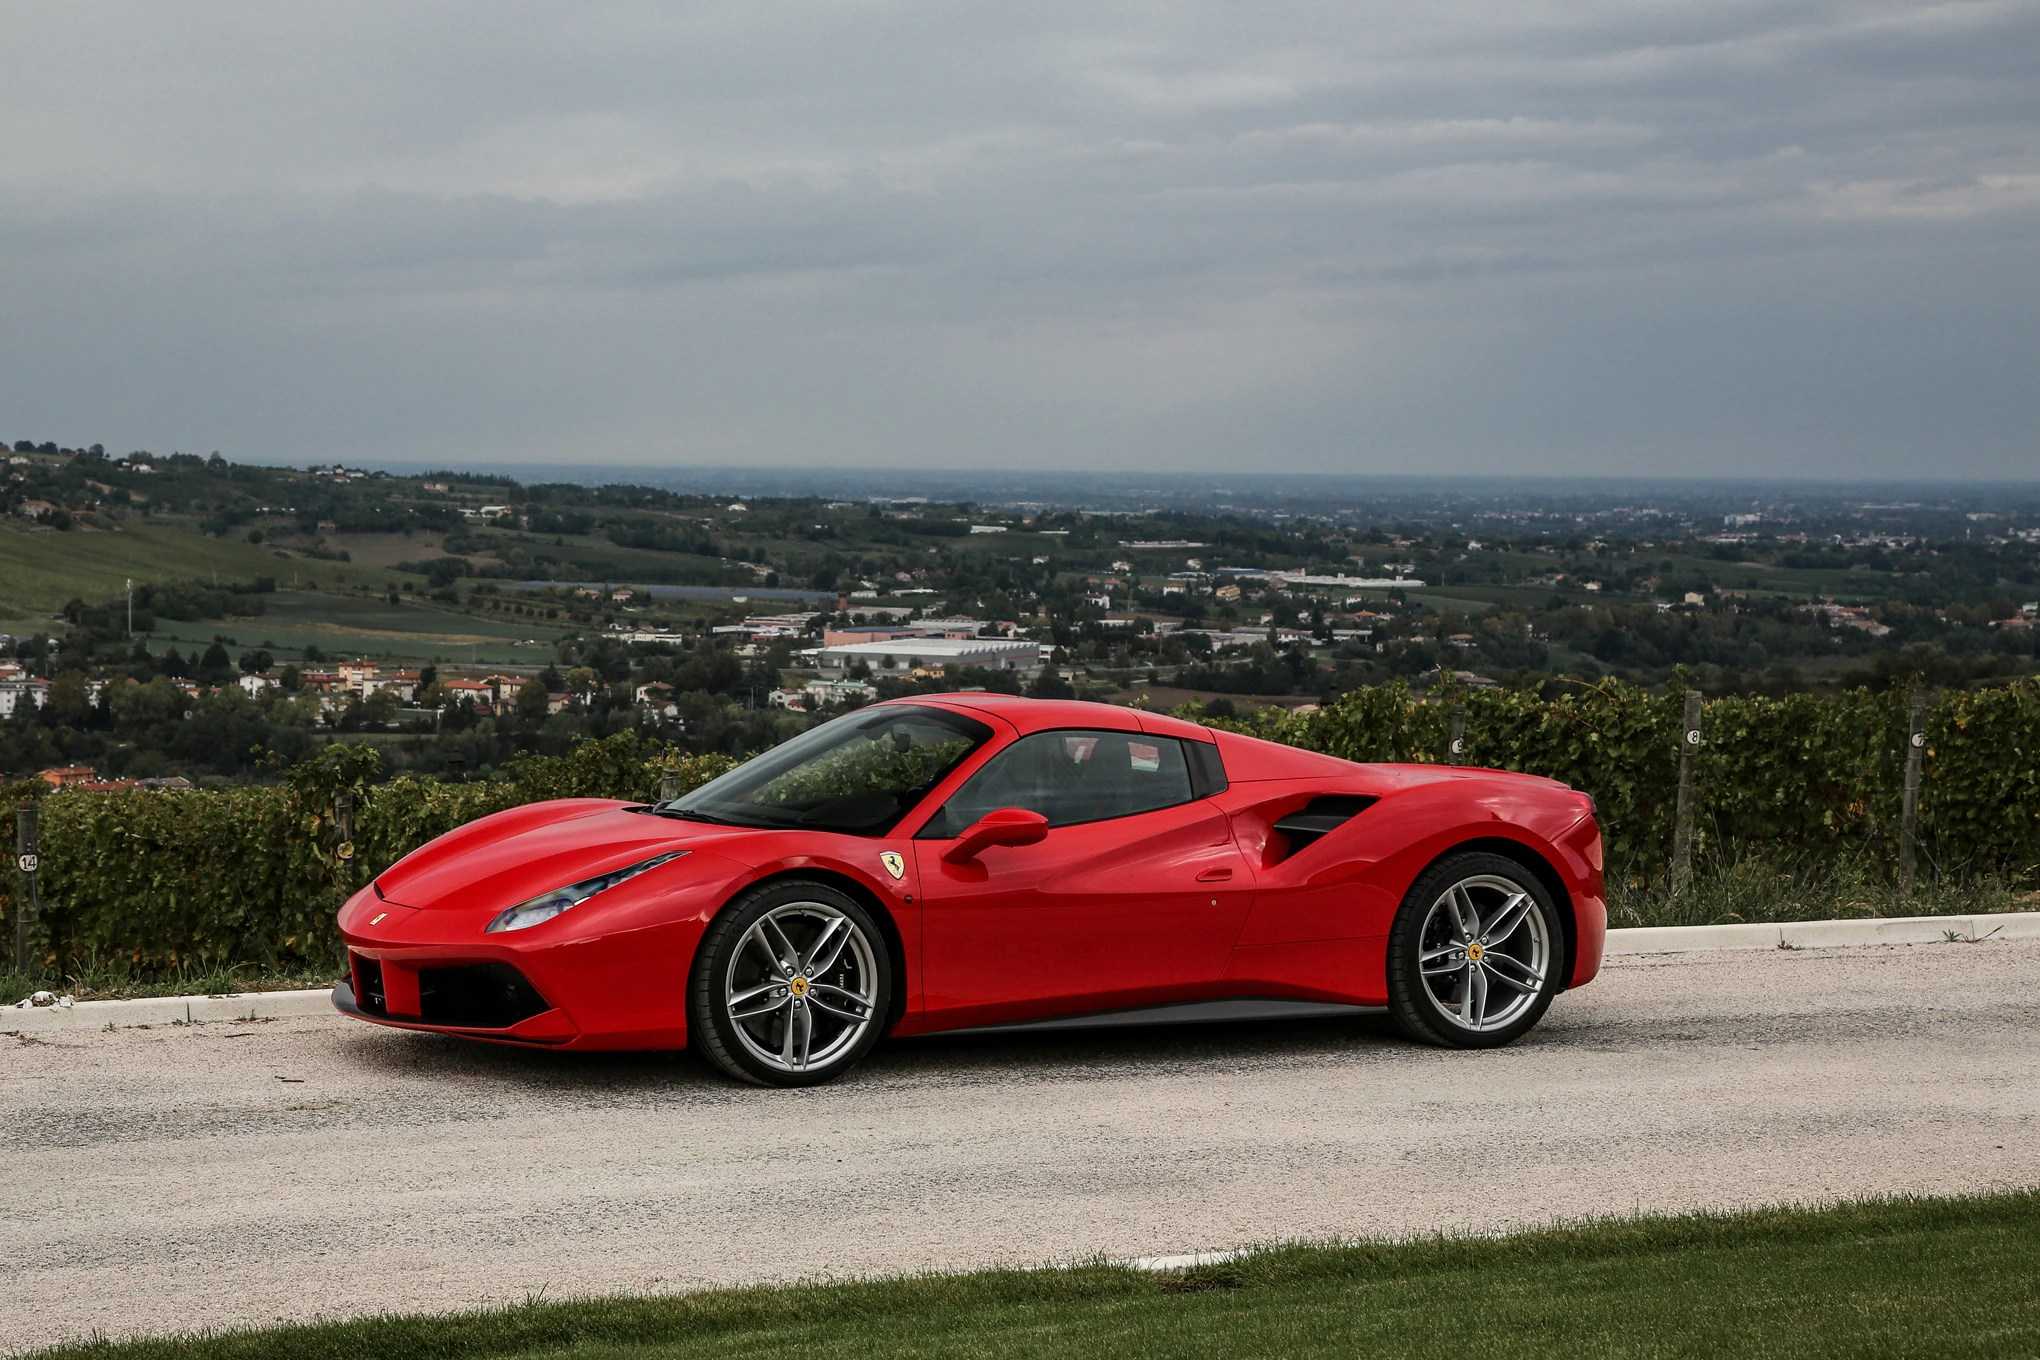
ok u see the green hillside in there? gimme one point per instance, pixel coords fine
(42, 569)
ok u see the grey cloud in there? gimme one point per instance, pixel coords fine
(1563, 236)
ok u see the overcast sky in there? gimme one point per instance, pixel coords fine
(1529, 235)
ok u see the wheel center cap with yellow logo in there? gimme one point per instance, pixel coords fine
(797, 987)
(1474, 951)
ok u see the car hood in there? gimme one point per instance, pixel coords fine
(507, 858)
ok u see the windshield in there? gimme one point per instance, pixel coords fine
(859, 773)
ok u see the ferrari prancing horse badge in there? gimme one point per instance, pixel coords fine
(894, 865)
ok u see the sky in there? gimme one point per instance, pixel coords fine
(1563, 237)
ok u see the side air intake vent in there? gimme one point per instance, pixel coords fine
(1319, 816)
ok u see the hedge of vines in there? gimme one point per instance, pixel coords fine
(1806, 772)
(253, 874)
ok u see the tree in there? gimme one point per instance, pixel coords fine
(216, 667)
(1049, 684)
(68, 703)
(531, 701)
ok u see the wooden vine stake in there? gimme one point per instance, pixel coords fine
(1682, 817)
(28, 862)
(1909, 813)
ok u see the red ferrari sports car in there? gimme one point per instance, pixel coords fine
(966, 861)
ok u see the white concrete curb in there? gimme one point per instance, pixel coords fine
(169, 1010)
(2009, 925)
(250, 1006)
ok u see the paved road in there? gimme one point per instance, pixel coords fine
(225, 1174)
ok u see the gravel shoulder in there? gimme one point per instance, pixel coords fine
(224, 1174)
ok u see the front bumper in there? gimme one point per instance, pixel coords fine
(618, 981)
(481, 1000)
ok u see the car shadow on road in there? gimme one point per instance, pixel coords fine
(983, 1057)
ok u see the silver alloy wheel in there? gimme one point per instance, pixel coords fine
(801, 987)
(1484, 952)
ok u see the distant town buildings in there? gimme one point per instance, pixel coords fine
(932, 654)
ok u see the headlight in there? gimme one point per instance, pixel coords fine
(545, 906)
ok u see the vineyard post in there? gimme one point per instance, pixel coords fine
(27, 835)
(343, 829)
(1909, 813)
(1456, 748)
(1682, 816)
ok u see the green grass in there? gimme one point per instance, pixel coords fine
(1735, 887)
(1925, 1277)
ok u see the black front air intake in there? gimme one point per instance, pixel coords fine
(368, 986)
(476, 996)
(1320, 816)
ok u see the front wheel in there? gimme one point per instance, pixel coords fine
(791, 985)
(1475, 954)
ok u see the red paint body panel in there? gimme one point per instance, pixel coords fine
(1205, 900)
(1082, 921)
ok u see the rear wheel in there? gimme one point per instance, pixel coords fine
(791, 985)
(1475, 954)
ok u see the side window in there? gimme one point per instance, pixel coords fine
(1072, 776)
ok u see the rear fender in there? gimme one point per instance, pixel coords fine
(1350, 882)
(1394, 840)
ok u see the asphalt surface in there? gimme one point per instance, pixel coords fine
(221, 1174)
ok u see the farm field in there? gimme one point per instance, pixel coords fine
(594, 557)
(368, 625)
(41, 570)
(385, 551)
(1764, 579)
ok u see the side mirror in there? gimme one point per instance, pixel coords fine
(1005, 826)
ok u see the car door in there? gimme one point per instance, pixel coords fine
(1133, 897)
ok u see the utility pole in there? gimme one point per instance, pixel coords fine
(131, 608)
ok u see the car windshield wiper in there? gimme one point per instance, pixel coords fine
(690, 815)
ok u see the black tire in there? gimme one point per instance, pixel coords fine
(727, 953)
(1418, 1009)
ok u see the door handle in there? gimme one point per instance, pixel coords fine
(1215, 876)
